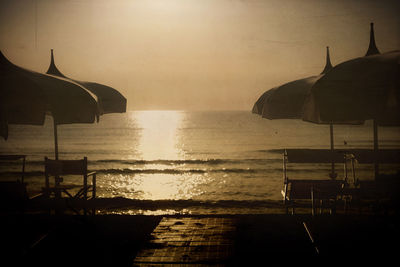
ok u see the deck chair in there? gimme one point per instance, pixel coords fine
(377, 195)
(325, 193)
(320, 194)
(74, 193)
(296, 193)
(13, 196)
(13, 193)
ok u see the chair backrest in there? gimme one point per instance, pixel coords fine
(301, 189)
(11, 191)
(65, 167)
(327, 189)
(7, 158)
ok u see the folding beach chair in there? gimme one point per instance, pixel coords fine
(76, 193)
(321, 193)
(13, 193)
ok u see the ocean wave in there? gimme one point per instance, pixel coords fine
(121, 205)
(19, 173)
(273, 151)
(127, 171)
(189, 161)
(179, 171)
(162, 161)
(120, 202)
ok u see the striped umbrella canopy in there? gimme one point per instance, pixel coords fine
(111, 101)
(27, 96)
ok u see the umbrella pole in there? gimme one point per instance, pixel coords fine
(333, 175)
(57, 177)
(55, 140)
(376, 162)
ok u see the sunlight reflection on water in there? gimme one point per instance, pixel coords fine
(182, 155)
(159, 134)
(167, 186)
(159, 140)
(156, 186)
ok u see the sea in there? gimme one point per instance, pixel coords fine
(214, 161)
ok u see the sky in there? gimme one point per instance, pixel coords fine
(193, 54)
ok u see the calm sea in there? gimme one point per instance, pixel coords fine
(230, 157)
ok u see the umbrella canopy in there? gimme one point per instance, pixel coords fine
(67, 102)
(111, 101)
(21, 100)
(26, 96)
(286, 101)
(357, 90)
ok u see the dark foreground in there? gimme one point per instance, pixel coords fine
(116, 240)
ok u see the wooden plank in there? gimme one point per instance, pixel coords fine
(189, 241)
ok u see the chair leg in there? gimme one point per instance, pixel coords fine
(94, 194)
(312, 202)
(321, 206)
(85, 194)
(47, 187)
(94, 186)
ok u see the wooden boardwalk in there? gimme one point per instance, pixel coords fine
(189, 241)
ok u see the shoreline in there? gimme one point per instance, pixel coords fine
(125, 206)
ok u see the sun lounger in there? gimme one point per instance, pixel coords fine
(13, 194)
(377, 195)
(7, 158)
(311, 193)
(314, 194)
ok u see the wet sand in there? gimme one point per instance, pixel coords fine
(116, 240)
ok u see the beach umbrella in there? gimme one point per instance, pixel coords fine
(110, 100)
(364, 88)
(21, 100)
(29, 95)
(286, 101)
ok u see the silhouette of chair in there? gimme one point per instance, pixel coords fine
(315, 193)
(8, 158)
(325, 193)
(377, 195)
(295, 193)
(74, 193)
(321, 193)
(13, 194)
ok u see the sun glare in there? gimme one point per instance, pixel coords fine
(159, 134)
(160, 140)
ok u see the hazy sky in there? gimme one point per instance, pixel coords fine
(193, 54)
